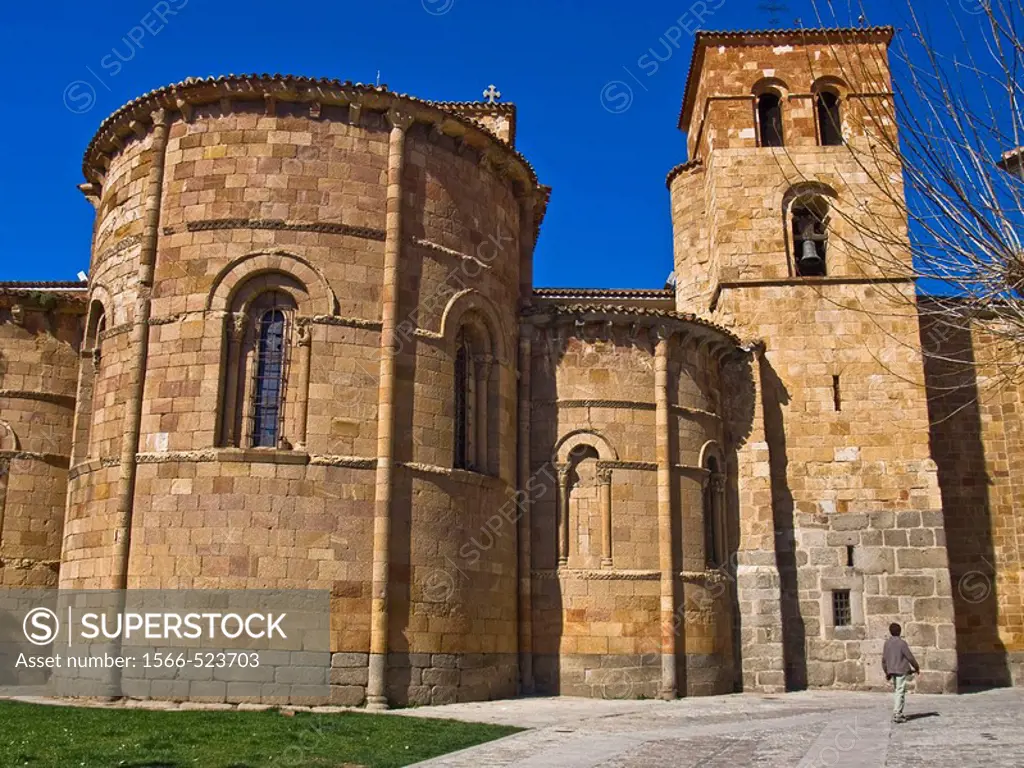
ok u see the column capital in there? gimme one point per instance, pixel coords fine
(303, 337)
(239, 321)
(400, 117)
(604, 474)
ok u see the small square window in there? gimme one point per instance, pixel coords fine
(841, 616)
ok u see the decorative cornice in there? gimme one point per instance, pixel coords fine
(347, 322)
(121, 245)
(608, 574)
(115, 330)
(216, 314)
(168, 319)
(642, 466)
(617, 314)
(699, 412)
(796, 282)
(349, 462)
(705, 577)
(594, 574)
(176, 456)
(689, 165)
(438, 248)
(629, 405)
(455, 474)
(67, 401)
(49, 458)
(205, 225)
(272, 90)
(27, 564)
(92, 465)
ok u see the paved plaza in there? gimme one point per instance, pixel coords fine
(812, 729)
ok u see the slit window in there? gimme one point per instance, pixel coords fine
(837, 399)
(830, 127)
(849, 555)
(769, 118)
(841, 614)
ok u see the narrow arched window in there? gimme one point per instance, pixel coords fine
(769, 118)
(810, 236)
(714, 534)
(463, 399)
(268, 382)
(830, 126)
(97, 345)
(474, 422)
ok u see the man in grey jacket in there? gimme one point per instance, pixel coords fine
(898, 663)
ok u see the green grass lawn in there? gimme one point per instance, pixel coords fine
(69, 737)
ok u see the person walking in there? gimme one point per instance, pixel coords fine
(898, 663)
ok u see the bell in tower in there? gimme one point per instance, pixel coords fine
(810, 237)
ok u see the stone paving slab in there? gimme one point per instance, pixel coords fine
(811, 729)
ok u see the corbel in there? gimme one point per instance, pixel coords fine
(185, 109)
(91, 190)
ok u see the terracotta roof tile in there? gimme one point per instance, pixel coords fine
(68, 291)
(681, 168)
(604, 293)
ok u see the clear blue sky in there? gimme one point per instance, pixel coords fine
(608, 224)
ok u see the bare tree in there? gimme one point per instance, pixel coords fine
(943, 202)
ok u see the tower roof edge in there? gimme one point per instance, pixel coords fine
(703, 40)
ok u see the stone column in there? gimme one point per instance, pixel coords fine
(377, 666)
(140, 348)
(304, 341)
(235, 338)
(604, 475)
(663, 451)
(5, 471)
(524, 529)
(717, 481)
(563, 514)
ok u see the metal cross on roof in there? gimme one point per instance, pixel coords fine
(492, 94)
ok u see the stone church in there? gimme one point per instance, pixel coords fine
(310, 354)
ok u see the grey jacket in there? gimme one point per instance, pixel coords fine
(897, 658)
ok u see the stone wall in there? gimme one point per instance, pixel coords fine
(39, 342)
(827, 467)
(977, 438)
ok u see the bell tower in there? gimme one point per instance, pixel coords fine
(775, 187)
(782, 236)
